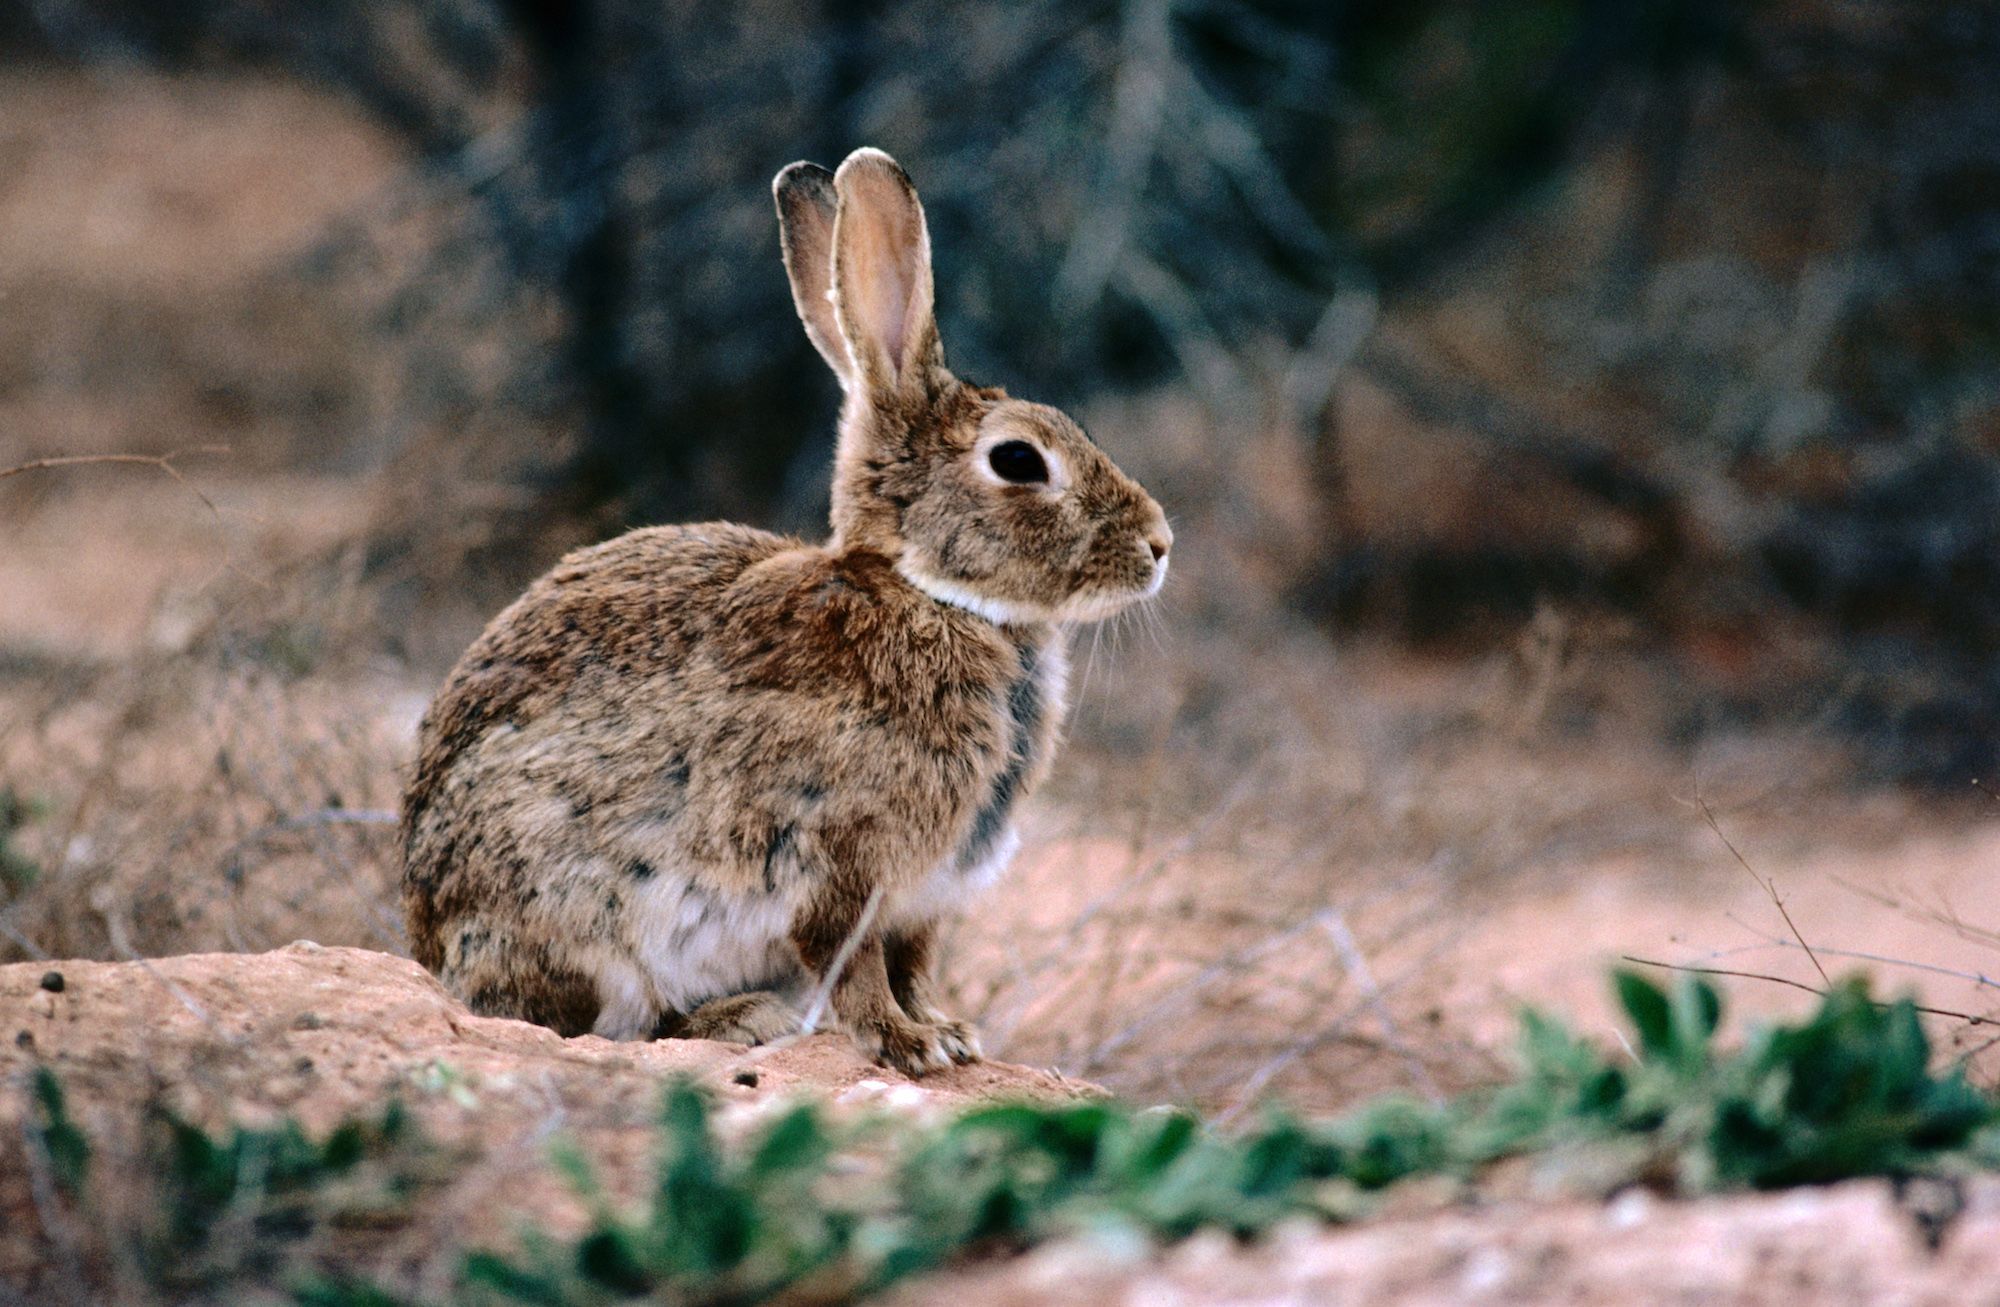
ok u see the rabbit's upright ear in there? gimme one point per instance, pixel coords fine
(882, 276)
(806, 207)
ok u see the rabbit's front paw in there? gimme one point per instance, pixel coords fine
(960, 1040)
(914, 1048)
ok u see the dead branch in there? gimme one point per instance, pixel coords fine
(1935, 916)
(164, 462)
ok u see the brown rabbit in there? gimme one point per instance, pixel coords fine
(667, 785)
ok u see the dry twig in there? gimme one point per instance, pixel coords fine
(1770, 887)
(1966, 1017)
(164, 462)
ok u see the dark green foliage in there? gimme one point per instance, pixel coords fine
(237, 1202)
(808, 1212)
(1848, 1092)
(16, 871)
(1016, 1175)
(343, 1292)
(722, 1225)
(65, 1146)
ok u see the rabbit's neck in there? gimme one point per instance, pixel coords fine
(1035, 703)
(953, 594)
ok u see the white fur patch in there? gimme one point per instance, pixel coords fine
(949, 889)
(695, 944)
(1004, 612)
(1055, 679)
(1097, 607)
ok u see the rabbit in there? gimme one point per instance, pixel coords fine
(700, 779)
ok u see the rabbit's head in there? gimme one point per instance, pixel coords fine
(993, 504)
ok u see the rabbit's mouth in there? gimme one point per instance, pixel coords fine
(1098, 605)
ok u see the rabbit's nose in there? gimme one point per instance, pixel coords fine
(1158, 546)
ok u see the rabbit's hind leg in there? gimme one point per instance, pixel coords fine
(627, 1009)
(496, 975)
(757, 1017)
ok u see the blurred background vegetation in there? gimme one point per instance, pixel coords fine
(1685, 310)
(1682, 311)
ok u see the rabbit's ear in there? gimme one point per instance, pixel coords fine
(882, 275)
(806, 207)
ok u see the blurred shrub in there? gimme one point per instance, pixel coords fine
(1119, 192)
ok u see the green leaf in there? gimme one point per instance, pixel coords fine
(795, 1142)
(575, 1168)
(1697, 1010)
(492, 1271)
(339, 1291)
(1651, 1015)
(607, 1257)
(67, 1149)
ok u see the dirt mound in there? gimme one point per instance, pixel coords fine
(324, 1033)
(327, 1034)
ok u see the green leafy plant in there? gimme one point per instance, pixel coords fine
(51, 1130)
(17, 870)
(239, 1201)
(806, 1210)
(719, 1226)
(1847, 1092)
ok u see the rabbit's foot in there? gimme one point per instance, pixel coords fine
(913, 1047)
(959, 1039)
(754, 1018)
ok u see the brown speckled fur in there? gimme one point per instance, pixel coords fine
(661, 791)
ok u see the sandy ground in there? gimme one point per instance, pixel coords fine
(1858, 1243)
(1913, 912)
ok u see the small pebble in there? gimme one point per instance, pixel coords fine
(1628, 1209)
(25, 1039)
(906, 1097)
(748, 1079)
(53, 981)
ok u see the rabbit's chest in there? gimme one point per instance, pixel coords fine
(1033, 704)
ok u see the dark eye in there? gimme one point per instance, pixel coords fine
(1019, 462)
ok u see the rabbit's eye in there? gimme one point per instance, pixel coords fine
(1019, 462)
